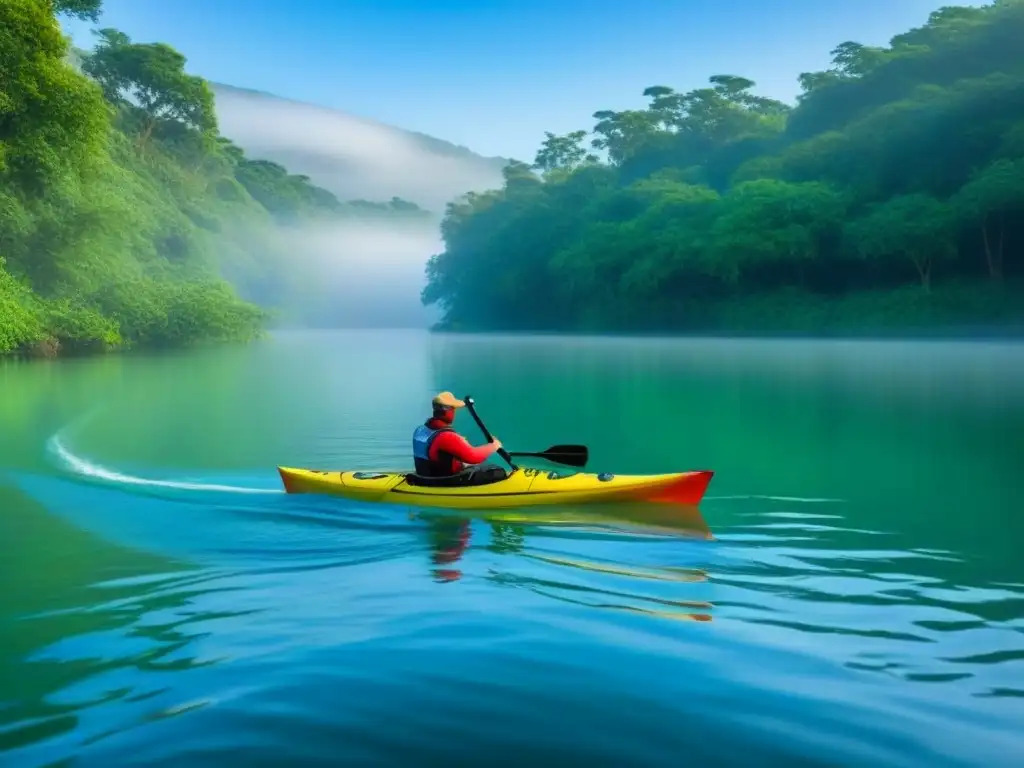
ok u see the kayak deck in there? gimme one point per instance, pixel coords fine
(522, 487)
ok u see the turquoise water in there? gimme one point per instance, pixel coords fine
(851, 592)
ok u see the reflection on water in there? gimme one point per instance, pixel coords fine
(449, 537)
(299, 579)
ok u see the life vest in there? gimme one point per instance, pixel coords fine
(422, 439)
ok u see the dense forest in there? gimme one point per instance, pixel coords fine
(890, 196)
(122, 209)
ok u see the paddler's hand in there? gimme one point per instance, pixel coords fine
(496, 443)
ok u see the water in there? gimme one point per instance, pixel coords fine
(858, 600)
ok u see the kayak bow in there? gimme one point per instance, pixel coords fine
(522, 487)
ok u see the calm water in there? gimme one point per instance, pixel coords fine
(860, 600)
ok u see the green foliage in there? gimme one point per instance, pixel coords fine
(79, 327)
(562, 152)
(121, 209)
(87, 10)
(915, 226)
(283, 195)
(895, 181)
(150, 81)
(52, 121)
(156, 313)
(772, 223)
(992, 198)
(20, 325)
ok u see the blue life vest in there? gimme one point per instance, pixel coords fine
(422, 439)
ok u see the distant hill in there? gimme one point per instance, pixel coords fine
(351, 156)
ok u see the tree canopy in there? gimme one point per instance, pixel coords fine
(890, 194)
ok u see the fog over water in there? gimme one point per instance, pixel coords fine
(365, 272)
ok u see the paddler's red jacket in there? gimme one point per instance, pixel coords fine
(455, 447)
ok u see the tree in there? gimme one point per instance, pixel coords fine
(993, 194)
(672, 235)
(767, 223)
(51, 119)
(851, 59)
(622, 134)
(152, 76)
(86, 10)
(562, 152)
(916, 227)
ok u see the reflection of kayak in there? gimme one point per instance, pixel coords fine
(522, 487)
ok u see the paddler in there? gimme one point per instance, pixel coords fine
(440, 451)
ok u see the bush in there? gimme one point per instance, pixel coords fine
(20, 324)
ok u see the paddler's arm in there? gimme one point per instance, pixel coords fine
(457, 446)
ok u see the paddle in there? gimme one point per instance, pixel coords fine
(487, 435)
(570, 455)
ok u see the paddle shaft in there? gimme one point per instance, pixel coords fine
(487, 435)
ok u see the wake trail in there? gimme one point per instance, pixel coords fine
(85, 468)
(82, 466)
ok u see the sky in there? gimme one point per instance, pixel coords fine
(494, 75)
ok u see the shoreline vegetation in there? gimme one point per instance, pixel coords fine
(888, 200)
(126, 220)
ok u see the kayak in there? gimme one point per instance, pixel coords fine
(521, 487)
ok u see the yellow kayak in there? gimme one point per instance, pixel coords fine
(521, 487)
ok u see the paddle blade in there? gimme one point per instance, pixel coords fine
(570, 455)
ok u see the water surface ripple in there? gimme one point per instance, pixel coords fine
(201, 617)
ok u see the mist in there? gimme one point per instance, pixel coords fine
(334, 274)
(356, 272)
(351, 156)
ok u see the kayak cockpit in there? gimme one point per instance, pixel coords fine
(467, 478)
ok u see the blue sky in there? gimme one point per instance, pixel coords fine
(495, 74)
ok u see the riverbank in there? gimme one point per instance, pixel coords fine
(980, 309)
(138, 314)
